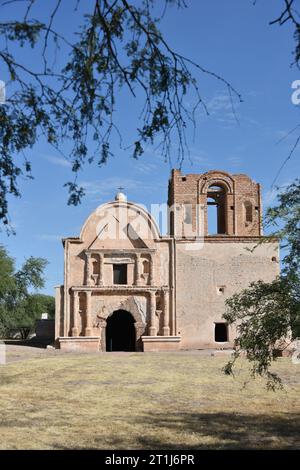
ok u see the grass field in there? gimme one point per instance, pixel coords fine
(52, 400)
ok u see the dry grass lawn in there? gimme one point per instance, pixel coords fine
(51, 400)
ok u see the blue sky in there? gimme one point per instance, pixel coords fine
(232, 38)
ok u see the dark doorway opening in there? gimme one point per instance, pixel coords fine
(120, 273)
(221, 332)
(120, 332)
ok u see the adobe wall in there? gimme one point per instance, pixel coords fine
(76, 259)
(201, 273)
(116, 233)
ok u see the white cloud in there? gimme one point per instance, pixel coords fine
(270, 195)
(220, 103)
(145, 168)
(223, 108)
(108, 187)
(235, 161)
(49, 237)
(198, 159)
(253, 93)
(59, 161)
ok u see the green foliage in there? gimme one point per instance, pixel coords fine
(118, 45)
(7, 282)
(267, 315)
(284, 219)
(40, 303)
(18, 307)
(22, 32)
(29, 310)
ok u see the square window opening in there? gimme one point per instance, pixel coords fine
(221, 332)
(120, 273)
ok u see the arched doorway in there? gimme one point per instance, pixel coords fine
(120, 332)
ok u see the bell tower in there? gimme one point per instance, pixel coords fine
(235, 199)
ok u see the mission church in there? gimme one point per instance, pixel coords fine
(129, 288)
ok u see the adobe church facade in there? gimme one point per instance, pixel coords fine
(127, 287)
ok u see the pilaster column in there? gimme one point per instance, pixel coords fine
(88, 268)
(166, 328)
(151, 271)
(101, 269)
(137, 280)
(152, 329)
(75, 329)
(88, 327)
(139, 331)
(102, 327)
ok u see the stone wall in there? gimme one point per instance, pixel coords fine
(176, 285)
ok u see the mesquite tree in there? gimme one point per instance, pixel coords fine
(267, 315)
(73, 98)
(69, 90)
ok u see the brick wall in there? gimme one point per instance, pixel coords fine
(242, 203)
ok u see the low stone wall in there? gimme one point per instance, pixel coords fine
(82, 344)
(161, 343)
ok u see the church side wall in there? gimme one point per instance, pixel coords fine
(206, 277)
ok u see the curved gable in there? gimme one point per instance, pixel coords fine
(126, 223)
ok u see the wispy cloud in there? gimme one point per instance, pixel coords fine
(270, 195)
(49, 238)
(198, 158)
(145, 168)
(287, 136)
(227, 110)
(219, 103)
(108, 187)
(59, 161)
(235, 161)
(223, 108)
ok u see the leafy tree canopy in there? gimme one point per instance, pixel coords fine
(267, 315)
(71, 93)
(18, 307)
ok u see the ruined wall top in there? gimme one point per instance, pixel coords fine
(236, 197)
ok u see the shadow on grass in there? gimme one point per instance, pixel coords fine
(228, 430)
(211, 431)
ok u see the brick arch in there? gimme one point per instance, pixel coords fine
(216, 180)
(129, 304)
(225, 215)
